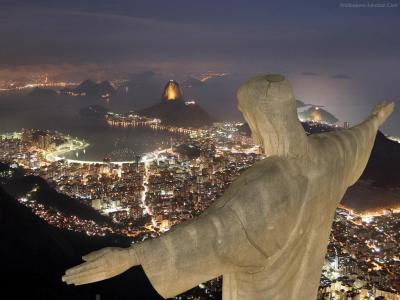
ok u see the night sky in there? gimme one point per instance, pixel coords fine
(344, 58)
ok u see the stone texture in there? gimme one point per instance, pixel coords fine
(267, 235)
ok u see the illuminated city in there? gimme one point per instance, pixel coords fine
(165, 187)
(123, 123)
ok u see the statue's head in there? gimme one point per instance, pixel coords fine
(269, 107)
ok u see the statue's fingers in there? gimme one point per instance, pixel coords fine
(90, 279)
(95, 254)
(84, 273)
(85, 277)
(69, 277)
(84, 267)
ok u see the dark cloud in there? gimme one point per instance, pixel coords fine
(309, 74)
(245, 35)
(108, 38)
(340, 76)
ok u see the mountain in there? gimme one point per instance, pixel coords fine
(315, 113)
(90, 88)
(87, 86)
(379, 185)
(173, 110)
(172, 92)
(300, 103)
(384, 164)
(105, 87)
(40, 92)
(177, 113)
(34, 256)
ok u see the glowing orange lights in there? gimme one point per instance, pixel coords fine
(172, 91)
(316, 116)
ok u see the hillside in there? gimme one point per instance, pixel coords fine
(177, 113)
(34, 256)
(50, 198)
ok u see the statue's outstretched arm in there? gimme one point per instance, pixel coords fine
(100, 265)
(378, 116)
(189, 254)
(197, 251)
(356, 143)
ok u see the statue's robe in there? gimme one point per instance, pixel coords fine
(267, 235)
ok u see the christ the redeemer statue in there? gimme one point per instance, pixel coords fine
(268, 234)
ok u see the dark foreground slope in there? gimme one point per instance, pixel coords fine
(51, 199)
(34, 255)
(379, 185)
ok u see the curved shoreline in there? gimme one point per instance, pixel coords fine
(74, 144)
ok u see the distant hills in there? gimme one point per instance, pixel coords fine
(41, 92)
(316, 113)
(212, 94)
(137, 91)
(91, 88)
(173, 110)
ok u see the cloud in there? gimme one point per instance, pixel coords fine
(69, 72)
(126, 34)
(309, 74)
(340, 76)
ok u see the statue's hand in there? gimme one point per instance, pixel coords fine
(382, 111)
(100, 265)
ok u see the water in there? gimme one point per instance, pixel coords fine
(62, 114)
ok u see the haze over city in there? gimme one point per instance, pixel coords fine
(341, 57)
(120, 120)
